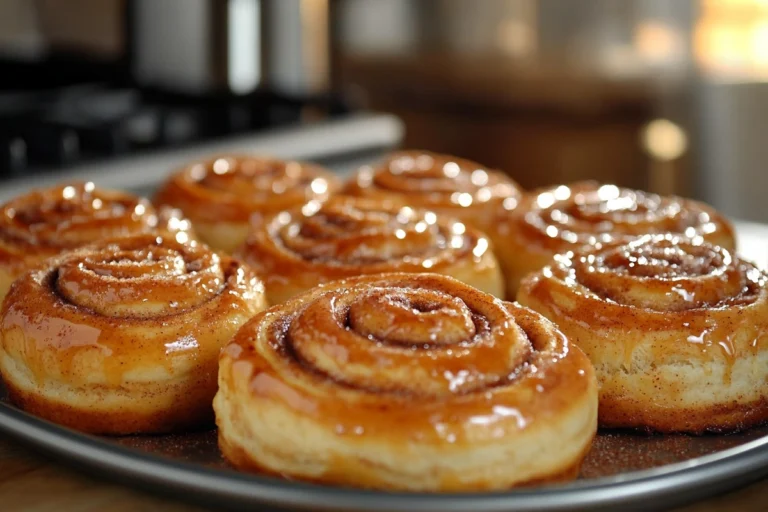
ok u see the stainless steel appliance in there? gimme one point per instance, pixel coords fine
(91, 81)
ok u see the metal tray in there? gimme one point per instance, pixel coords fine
(623, 470)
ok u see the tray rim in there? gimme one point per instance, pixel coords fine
(665, 486)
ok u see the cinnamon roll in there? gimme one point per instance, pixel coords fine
(124, 337)
(224, 195)
(445, 184)
(346, 236)
(405, 381)
(46, 222)
(677, 330)
(564, 218)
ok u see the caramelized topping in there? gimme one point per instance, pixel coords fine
(429, 179)
(349, 231)
(405, 349)
(663, 273)
(586, 214)
(642, 308)
(140, 276)
(121, 309)
(234, 188)
(69, 216)
(259, 178)
(423, 356)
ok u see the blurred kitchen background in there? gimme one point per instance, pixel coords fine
(665, 95)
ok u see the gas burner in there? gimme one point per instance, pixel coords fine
(45, 130)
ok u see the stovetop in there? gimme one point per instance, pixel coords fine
(51, 129)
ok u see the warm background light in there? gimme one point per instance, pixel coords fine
(664, 140)
(731, 39)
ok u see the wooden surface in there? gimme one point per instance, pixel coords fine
(31, 483)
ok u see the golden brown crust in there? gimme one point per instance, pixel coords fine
(348, 236)
(564, 218)
(677, 330)
(47, 222)
(231, 191)
(405, 381)
(191, 410)
(717, 419)
(240, 458)
(123, 336)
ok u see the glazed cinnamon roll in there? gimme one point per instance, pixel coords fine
(124, 337)
(677, 330)
(224, 195)
(564, 218)
(49, 221)
(405, 381)
(346, 236)
(444, 184)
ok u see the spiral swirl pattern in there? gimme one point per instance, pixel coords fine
(666, 273)
(428, 338)
(443, 183)
(47, 222)
(151, 276)
(69, 216)
(234, 188)
(123, 336)
(401, 357)
(348, 236)
(676, 328)
(584, 214)
(225, 196)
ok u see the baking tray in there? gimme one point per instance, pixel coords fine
(623, 471)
